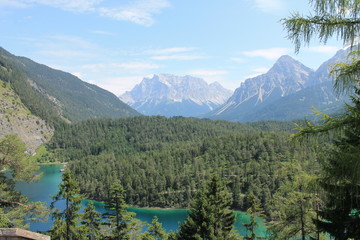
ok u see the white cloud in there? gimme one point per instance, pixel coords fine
(257, 71)
(14, 3)
(96, 67)
(177, 57)
(170, 50)
(211, 76)
(127, 67)
(100, 32)
(67, 5)
(78, 74)
(205, 72)
(71, 5)
(237, 59)
(252, 75)
(65, 46)
(323, 49)
(138, 65)
(67, 53)
(174, 53)
(119, 85)
(270, 5)
(260, 70)
(140, 12)
(75, 42)
(271, 53)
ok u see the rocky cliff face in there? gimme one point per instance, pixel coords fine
(321, 75)
(287, 91)
(287, 76)
(171, 95)
(15, 118)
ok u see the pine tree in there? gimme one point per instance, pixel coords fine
(15, 209)
(295, 209)
(341, 169)
(341, 181)
(155, 231)
(66, 223)
(210, 217)
(254, 211)
(118, 217)
(91, 220)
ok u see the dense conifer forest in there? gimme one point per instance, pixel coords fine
(161, 162)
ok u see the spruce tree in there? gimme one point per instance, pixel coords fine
(210, 217)
(66, 223)
(340, 179)
(253, 211)
(15, 209)
(91, 221)
(155, 231)
(119, 219)
(295, 206)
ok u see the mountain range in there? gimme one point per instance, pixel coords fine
(288, 91)
(169, 95)
(39, 98)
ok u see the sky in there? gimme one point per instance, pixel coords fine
(116, 43)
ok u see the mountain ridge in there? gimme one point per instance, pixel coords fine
(288, 91)
(170, 95)
(74, 99)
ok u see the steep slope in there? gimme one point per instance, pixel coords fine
(288, 91)
(300, 105)
(73, 99)
(321, 75)
(15, 118)
(287, 76)
(170, 95)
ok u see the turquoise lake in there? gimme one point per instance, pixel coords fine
(170, 218)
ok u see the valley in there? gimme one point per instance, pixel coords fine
(162, 162)
(180, 120)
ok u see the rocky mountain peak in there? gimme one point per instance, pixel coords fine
(168, 88)
(286, 76)
(286, 65)
(287, 91)
(322, 74)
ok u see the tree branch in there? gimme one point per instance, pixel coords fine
(19, 204)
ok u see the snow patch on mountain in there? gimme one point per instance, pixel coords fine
(170, 95)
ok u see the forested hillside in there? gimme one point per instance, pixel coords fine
(37, 103)
(23, 115)
(53, 92)
(161, 161)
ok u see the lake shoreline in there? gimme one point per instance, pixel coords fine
(53, 163)
(169, 217)
(130, 206)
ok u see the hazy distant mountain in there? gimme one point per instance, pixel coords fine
(51, 93)
(322, 73)
(170, 95)
(287, 91)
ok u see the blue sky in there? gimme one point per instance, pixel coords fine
(115, 43)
